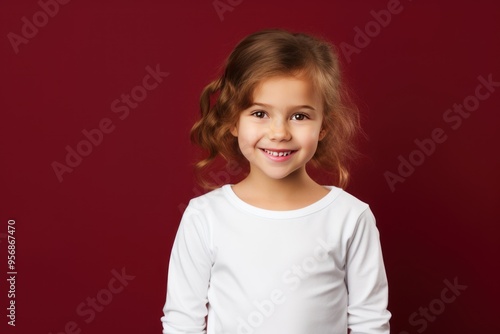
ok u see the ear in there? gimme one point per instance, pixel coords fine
(322, 134)
(234, 130)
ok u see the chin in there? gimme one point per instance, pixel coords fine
(280, 175)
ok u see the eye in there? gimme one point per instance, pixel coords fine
(299, 117)
(259, 114)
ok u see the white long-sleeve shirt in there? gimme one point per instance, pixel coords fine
(314, 270)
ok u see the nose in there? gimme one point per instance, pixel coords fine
(279, 131)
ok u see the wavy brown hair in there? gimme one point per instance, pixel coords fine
(271, 53)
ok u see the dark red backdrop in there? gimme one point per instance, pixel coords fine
(116, 211)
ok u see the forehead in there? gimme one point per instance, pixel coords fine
(287, 90)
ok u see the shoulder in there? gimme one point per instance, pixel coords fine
(350, 210)
(209, 205)
(208, 199)
(346, 201)
(200, 213)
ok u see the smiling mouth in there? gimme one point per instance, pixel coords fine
(278, 153)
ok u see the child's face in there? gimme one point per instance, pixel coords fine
(279, 133)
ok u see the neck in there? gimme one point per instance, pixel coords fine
(295, 191)
(277, 188)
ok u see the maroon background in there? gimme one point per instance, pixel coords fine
(120, 207)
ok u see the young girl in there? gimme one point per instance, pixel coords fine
(277, 253)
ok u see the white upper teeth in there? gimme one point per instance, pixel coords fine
(278, 154)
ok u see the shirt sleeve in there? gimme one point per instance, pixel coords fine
(366, 280)
(185, 309)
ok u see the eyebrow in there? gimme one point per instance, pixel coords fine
(305, 106)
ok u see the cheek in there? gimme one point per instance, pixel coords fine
(315, 134)
(311, 136)
(311, 140)
(247, 139)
